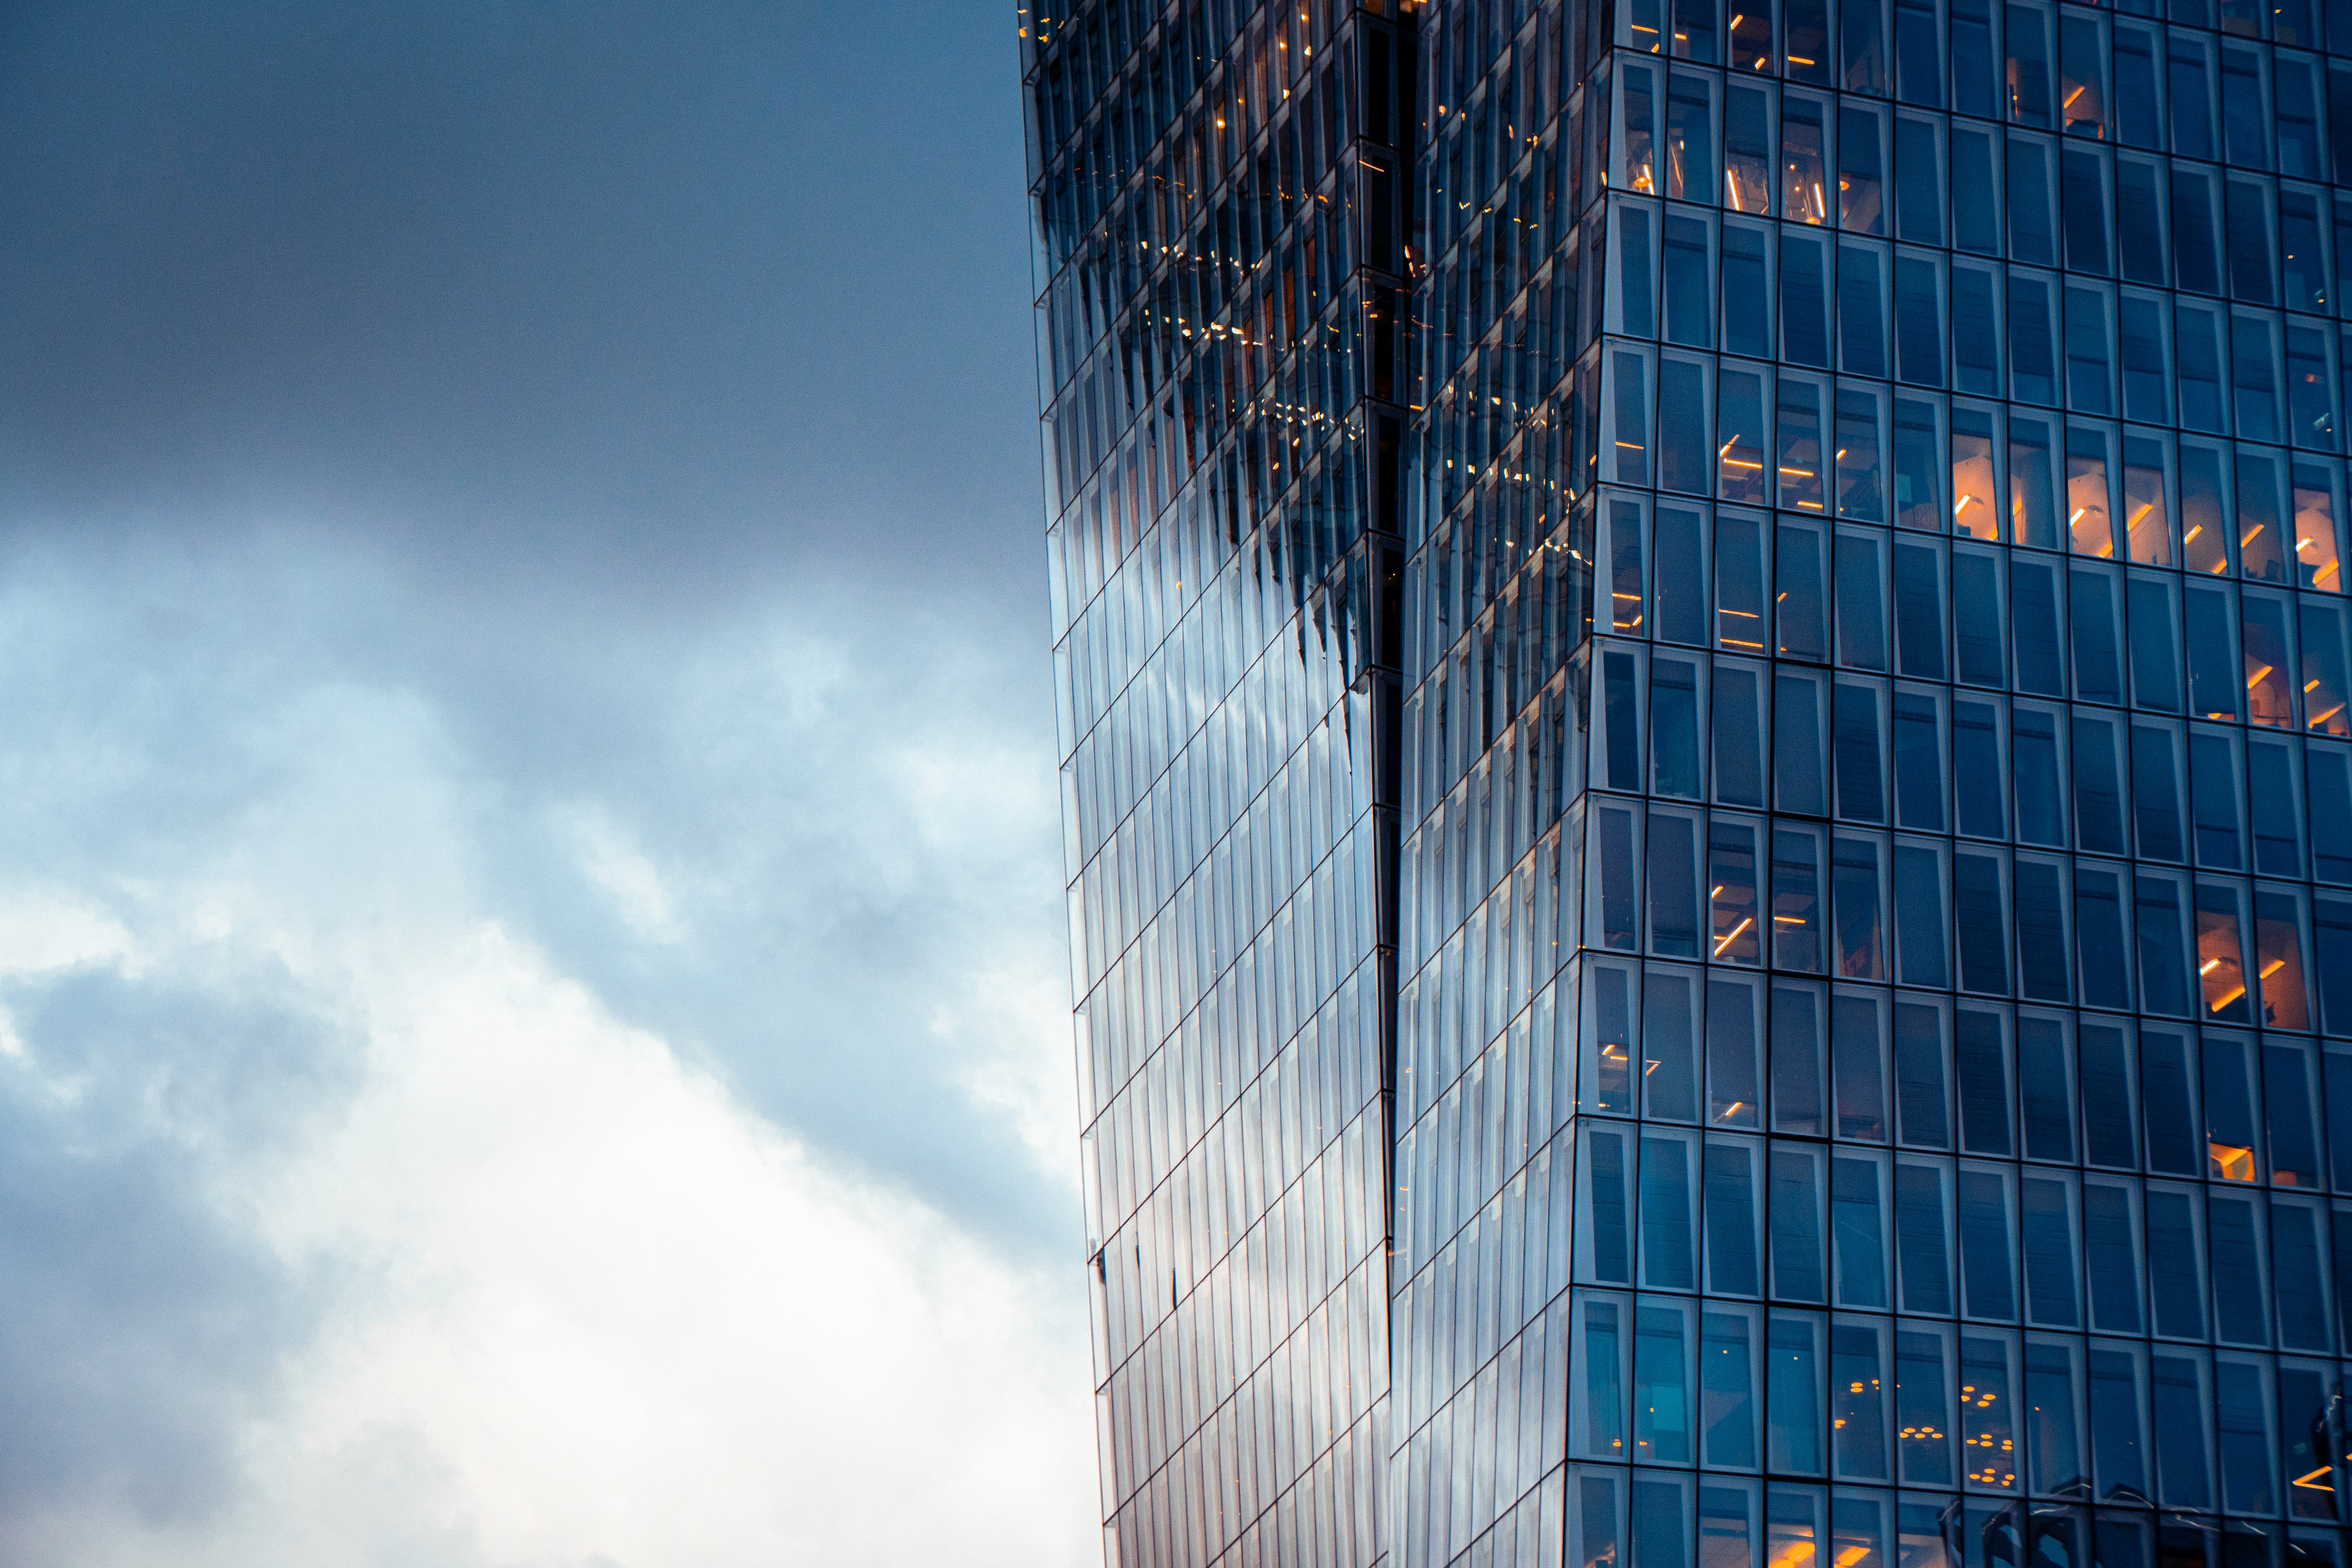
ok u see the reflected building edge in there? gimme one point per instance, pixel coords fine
(1702, 669)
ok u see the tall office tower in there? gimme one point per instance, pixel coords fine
(1893, 956)
(1220, 200)
(1871, 1075)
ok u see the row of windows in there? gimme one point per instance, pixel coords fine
(1194, 1511)
(2238, 241)
(1252, 1329)
(1722, 1384)
(1814, 158)
(1185, 621)
(1970, 328)
(1656, 1520)
(2170, 502)
(1736, 729)
(1217, 1132)
(1860, 1066)
(1263, 48)
(1479, 1415)
(1755, 436)
(2224, 1106)
(1986, 1241)
(1992, 770)
(2176, 491)
(1923, 758)
(2028, 62)
(1211, 277)
(1667, 1381)
(1209, 237)
(1993, 1412)
(1862, 905)
(1982, 921)
(1798, 590)
(2244, 238)
(1788, 154)
(1927, 319)
(1910, 1069)
(1673, 1382)
(1236, 917)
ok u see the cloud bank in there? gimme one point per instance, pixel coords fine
(484, 1081)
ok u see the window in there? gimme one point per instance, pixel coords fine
(1804, 160)
(2140, 116)
(1859, 753)
(1673, 886)
(1690, 138)
(1738, 734)
(1799, 777)
(1734, 934)
(1675, 704)
(1734, 1247)
(1919, 777)
(1861, 311)
(2155, 616)
(1973, 89)
(1920, 335)
(1859, 894)
(1802, 462)
(2090, 364)
(1919, 611)
(2092, 606)
(1748, 160)
(1922, 1110)
(2157, 772)
(1689, 301)
(1857, 1056)
(1861, 612)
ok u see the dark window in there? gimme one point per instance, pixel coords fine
(1922, 1120)
(2110, 1118)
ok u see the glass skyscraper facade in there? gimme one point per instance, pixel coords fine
(1222, 198)
(1704, 671)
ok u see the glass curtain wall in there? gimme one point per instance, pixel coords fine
(1514, 563)
(1853, 1053)
(1875, 1038)
(1220, 194)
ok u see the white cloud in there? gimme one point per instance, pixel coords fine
(627, 1318)
(625, 874)
(582, 1305)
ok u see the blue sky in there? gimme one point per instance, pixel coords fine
(532, 991)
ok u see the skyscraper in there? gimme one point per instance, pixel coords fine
(1221, 201)
(1703, 676)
